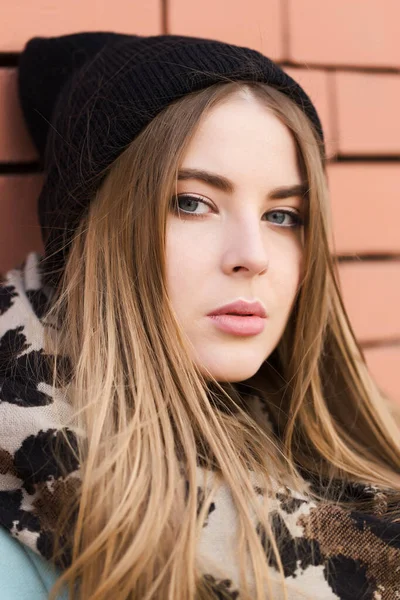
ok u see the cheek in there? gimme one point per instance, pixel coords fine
(186, 262)
(286, 276)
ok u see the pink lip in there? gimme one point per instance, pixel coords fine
(238, 325)
(241, 307)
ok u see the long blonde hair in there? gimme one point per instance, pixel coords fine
(147, 412)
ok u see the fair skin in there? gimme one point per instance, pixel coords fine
(244, 247)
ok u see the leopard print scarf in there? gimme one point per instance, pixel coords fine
(353, 555)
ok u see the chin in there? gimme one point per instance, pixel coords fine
(232, 375)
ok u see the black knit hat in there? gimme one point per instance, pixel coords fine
(86, 96)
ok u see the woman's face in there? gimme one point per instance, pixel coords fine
(233, 241)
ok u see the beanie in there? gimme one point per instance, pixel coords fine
(86, 96)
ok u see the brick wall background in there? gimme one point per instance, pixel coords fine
(346, 54)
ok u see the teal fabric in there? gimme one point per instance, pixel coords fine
(24, 575)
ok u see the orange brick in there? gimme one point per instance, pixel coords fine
(15, 142)
(25, 19)
(365, 207)
(19, 226)
(368, 113)
(339, 32)
(317, 83)
(384, 365)
(257, 24)
(371, 294)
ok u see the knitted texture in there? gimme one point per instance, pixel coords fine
(86, 96)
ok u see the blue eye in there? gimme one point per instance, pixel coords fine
(298, 221)
(194, 201)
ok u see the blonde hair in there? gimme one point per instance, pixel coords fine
(149, 415)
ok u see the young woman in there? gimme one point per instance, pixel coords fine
(186, 411)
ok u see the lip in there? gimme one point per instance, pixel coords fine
(238, 325)
(231, 318)
(241, 307)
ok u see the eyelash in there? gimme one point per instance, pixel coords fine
(298, 221)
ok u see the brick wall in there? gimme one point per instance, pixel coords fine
(346, 54)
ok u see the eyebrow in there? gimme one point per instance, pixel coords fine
(225, 185)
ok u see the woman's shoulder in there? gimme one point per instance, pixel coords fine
(23, 574)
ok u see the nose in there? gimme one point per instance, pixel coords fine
(246, 249)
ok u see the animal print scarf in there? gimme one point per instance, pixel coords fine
(352, 556)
